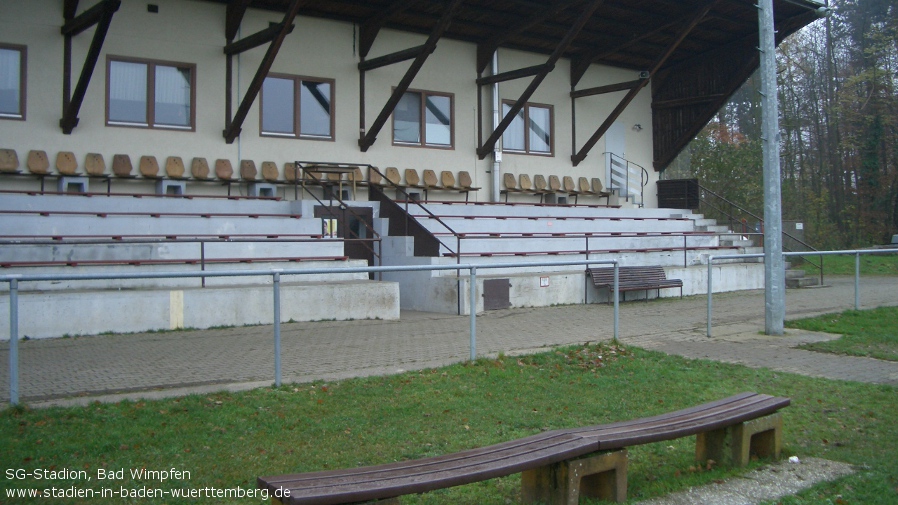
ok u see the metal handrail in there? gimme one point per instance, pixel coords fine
(857, 272)
(276, 275)
(375, 236)
(425, 209)
(743, 210)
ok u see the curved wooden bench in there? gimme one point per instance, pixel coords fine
(556, 466)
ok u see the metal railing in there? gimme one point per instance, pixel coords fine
(728, 209)
(301, 168)
(621, 171)
(857, 271)
(276, 275)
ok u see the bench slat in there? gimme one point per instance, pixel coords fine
(417, 476)
(682, 423)
(537, 451)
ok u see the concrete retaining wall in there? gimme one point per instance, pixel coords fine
(57, 314)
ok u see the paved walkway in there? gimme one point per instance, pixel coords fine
(77, 370)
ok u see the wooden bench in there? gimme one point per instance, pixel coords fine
(556, 466)
(642, 278)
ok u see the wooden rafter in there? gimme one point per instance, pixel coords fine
(367, 138)
(486, 49)
(369, 29)
(696, 18)
(100, 15)
(233, 17)
(547, 67)
(234, 125)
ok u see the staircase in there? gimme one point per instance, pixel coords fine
(795, 278)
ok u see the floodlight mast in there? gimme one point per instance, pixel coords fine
(774, 266)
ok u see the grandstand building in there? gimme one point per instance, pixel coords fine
(177, 135)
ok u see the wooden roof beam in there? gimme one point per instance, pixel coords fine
(101, 16)
(486, 49)
(232, 130)
(687, 28)
(369, 29)
(580, 65)
(233, 17)
(257, 39)
(562, 46)
(367, 138)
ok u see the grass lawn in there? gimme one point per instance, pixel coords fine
(226, 440)
(871, 333)
(871, 264)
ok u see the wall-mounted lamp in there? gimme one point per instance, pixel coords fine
(637, 127)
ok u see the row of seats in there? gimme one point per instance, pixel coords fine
(427, 183)
(66, 164)
(541, 187)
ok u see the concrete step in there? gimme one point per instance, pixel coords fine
(802, 282)
(794, 274)
(736, 242)
(713, 228)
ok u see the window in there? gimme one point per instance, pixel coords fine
(536, 138)
(423, 119)
(12, 82)
(150, 94)
(297, 107)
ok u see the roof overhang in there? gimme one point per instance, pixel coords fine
(695, 80)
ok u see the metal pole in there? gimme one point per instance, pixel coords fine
(13, 342)
(276, 278)
(617, 301)
(710, 290)
(472, 295)
(857, 281)
(774, 267)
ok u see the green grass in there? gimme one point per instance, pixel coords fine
(870, 333)
(226, 440)
(871, 264)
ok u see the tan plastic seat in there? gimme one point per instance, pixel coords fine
(174, 167)
(66, 164)
(199, 169)
(121, 166)
(290, 171)
(270, 171)
(412, 180)
(95, 165)
(149, 167)
(430, 180)
(248, 170)
(9, 161)
(38, 163)
(392, 175)
(224, 170)
(571, 189)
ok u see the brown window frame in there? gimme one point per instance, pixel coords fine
(527, 151)
(151, 93)
(423, 119)
(297, 114)
(23, 81)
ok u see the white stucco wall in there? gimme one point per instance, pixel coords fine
(192, 32)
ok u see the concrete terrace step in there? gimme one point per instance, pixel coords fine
(542, 211)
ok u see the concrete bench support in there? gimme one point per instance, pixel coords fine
(734, 445)
(262, 189)
(72, 184)
(602, 476)
(170, 187)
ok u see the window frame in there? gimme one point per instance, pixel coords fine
(23, 81)
(422, 121)
(297, 108)
(151, 65)
(526, 111)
